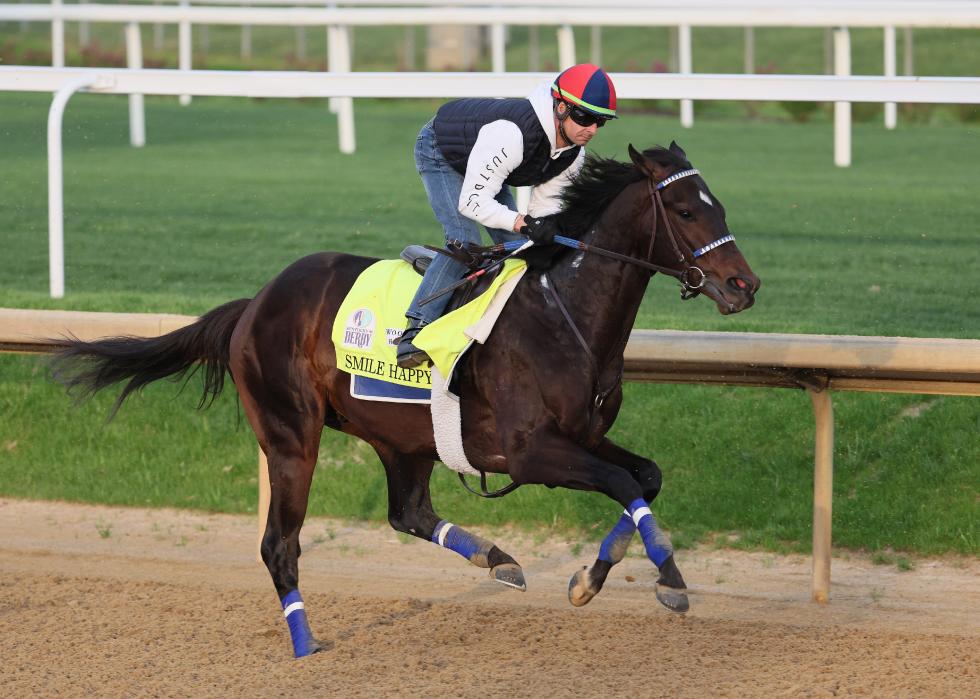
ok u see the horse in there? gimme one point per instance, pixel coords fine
(536, 399)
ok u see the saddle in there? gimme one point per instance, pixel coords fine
(474, 257)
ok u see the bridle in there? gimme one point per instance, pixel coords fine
(690, 288)
(691, 277)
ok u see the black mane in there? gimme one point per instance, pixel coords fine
(598, 183)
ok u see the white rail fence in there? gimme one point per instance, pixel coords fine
(819, 364)
(682, 16)
(64, 82)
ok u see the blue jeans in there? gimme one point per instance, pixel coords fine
(443, 186)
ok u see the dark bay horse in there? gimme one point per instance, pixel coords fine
(536, 399)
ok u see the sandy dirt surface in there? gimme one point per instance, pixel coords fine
(129, 602)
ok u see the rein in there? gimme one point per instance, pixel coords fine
(691, 287)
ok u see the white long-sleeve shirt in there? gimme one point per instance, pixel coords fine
(498, 151)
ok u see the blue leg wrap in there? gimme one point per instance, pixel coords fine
(299, 627)
(456, 539)
(614, 545)
(656, 542)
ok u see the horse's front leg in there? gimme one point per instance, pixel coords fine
(410, 511)
(587, 582)
(553, 460)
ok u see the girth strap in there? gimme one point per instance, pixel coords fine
(550, 286)
(599, 396)
(509, 488)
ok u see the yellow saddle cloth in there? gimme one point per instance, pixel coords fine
(372, 318)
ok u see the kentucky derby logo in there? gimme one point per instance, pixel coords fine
(359, 329)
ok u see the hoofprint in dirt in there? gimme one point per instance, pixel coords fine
(116, 601)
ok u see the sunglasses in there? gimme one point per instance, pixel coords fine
(584, 118)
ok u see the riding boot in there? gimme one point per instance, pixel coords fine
(410, 356)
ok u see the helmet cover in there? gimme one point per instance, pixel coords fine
(588, 87)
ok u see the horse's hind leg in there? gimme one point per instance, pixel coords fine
(287, 417)
(290, 476)
(410, 511)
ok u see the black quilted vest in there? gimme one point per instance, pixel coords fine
(458, 123)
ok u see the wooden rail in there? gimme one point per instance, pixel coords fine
(818, 364)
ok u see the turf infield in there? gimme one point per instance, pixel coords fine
(227, 192)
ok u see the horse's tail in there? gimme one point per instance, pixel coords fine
(87, 367)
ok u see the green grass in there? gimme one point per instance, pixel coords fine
(227, 192)
(629, 49)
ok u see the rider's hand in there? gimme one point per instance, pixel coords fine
(541, 230)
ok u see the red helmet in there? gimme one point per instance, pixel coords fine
(589, 87)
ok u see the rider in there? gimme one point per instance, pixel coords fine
(474, 150)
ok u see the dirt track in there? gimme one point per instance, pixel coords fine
(117, 602)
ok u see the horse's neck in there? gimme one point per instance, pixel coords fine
(603, 295)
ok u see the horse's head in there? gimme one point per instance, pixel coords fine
(691, 234)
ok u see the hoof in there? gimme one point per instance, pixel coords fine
(579, 591)
(675, 600)
(315, 646)
(509, 574)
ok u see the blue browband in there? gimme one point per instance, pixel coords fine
(677, 176)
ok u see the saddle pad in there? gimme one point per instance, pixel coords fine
(372, 317)
(366, 388)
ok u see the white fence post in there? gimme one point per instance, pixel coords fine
(566, 47)
(57, 37)
(157, 32)
(134, 61)
(84, 35)
(891, 109)
(339, 58)
(686, 66)
(333, 62)
(408, 50)
(842, 110)
(56, 213)
(595, 55)
(185, 48)
(533, 48)
(498, 43)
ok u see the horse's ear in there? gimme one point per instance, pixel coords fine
(677, 150)
(640, 161)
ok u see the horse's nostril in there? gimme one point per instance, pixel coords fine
(748, 284)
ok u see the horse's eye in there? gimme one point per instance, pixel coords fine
(684, 213)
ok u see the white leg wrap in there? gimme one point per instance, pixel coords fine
(640, 513)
